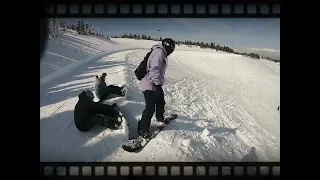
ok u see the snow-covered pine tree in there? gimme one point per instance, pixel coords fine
(86, 28)
(82, 26)
(54, 28)
(78, 26)
(51, 28)
(91, 30)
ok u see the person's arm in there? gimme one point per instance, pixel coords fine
(155, 63)
(104, 109)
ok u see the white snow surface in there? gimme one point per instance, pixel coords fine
(227, 104)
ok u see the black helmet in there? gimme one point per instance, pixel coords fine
(169, 45)
(103, 75)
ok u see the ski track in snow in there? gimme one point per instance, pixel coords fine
(226, 105)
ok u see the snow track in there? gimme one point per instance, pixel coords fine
(203, 104)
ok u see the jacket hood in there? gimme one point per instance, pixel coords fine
(82, 95)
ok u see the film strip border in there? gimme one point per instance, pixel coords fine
(262, 169)
(162, 10)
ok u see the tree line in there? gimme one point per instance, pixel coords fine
(57, 28)
(202, 45)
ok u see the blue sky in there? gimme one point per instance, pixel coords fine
(236, 33)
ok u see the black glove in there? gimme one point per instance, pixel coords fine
(159, 90)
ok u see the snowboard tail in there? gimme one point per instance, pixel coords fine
(138, 143)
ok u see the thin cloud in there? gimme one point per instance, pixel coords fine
(265, 49)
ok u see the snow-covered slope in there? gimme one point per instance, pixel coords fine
(70, 49)
(227, 104)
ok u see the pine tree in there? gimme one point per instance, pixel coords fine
(54, 28)
(83, 27)
(218, 47)
(86, 28)
(211, 45)
(78, 27)
(201, 45)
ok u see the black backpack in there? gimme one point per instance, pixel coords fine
(141, 70)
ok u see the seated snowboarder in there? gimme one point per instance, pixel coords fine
(88, 113)
(103, 91)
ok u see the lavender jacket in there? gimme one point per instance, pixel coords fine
(156, 67)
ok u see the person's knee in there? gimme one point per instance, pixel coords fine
(150, 109)
(83, 128)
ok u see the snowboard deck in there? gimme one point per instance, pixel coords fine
(137, 144)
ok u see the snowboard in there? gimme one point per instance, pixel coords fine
(138, 143)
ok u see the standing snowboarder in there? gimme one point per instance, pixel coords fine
(151, 85)
(103, 91)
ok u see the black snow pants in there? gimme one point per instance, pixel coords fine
(111, 90)
(154, 103)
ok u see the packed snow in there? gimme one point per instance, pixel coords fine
(227, 104)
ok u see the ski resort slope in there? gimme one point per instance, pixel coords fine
(227, 106)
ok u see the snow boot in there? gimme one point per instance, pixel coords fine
(117, 117)
(123, 90)
(166, 119)
(160, 119)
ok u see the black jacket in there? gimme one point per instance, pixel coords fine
(86, 109)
